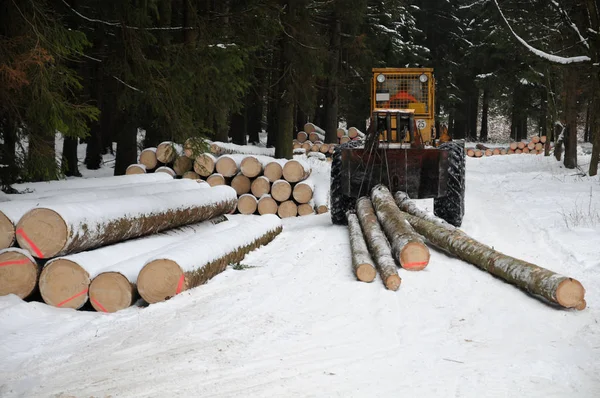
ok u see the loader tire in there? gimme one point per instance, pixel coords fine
(339, 203)
(451, 207)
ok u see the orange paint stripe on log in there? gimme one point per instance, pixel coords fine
(416, 264)
(14, 262)
(98, 304)
(180, 284)
(84, 291)
(37, 251)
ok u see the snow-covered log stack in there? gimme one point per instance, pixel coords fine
(183, 266)
(535, 146)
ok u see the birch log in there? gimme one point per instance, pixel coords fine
(362, 263)
(12, 211)
(19, 272)
(183, 267)
(378, 244)
(61, 229)
(540, 282)
(407, 246)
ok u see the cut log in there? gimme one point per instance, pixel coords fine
(204, 164)
(531, 146)
(332, 147)
(303, 191)
(496, 151)
(324, 148)
(167, 151)
(241, 184)
(260, 186)
(297, 145)
(302, 136)
(113, 286)
(287, 209)
(281, 190)
(535, 139)
(166, 170)
(316, 137)
(471, 152)
(341, 132)
(478, 153)
(519, 151)
(183, 267)
(148, 158)
(192, 175)
(540, 282)
(225, 148)
(296, 171)
(307, 145)
(321, 197)
(407, 246)
(539, 146)
(247, 204)
(133, 169)
(482, 147)
(19, 272)
(362, 263)
(316, 147)
(194, 146)
(306, 209)
(229, 165)
(345, 139)
(526, 150)
(503, 151)
(488, 152)
(267, 205)
(353, 132)
(215, 180)
(11, 212)
(274, 170)
(521, 145)
(377, 243)
(543, 139)
(317, 155)
(60, 229)
(514, 146)
(182, 165)
(251, 166)
(311, 127)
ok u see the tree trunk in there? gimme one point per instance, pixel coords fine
(237, 128)
(571, 109)
(378, 244)
(407, 246)
(483, 134)
(10, 173)
(332, 102)
(285, 112)
(78, 227)
(586, 130)
(273, 101)
(595, 133)
(540, 282)
(126, 146)
(301, 118)
(472, 111)
(174, 271)
(41, 156)
(71, 163)
(254, 114)
(362, 263)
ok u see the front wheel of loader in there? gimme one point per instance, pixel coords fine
(451, 207)
(339, 203)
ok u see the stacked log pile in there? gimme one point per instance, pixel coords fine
(312, 139)
(535, 146)
(388, 231)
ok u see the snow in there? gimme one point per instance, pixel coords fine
(295, 322)
(244, 149)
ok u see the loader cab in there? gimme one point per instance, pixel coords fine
(402, 104)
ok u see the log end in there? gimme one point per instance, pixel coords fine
(302, 193)
(322, 209)
(273, 171)
(241, 184)
(414, 256)
(7, 232)
(366, 272)
(111, 292)
(135, 169)
(305, 209)
(226, 166)
(570, 294)
(294, 171)
(247, 204)
(287, 209)
(393, 282)
(251, 167)
(160, 280)
(215, 179)
(148, 158)
(64, 283)
(192, 175)
(18, 274)
(42, 232)
(204, 164)
(260, 186)
(267, 205)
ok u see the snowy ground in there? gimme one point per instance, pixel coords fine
(295, 322)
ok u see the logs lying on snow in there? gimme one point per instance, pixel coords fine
(68, 228)
(19, 272)
(362, 263)
(183, 267)
(535, 147)
(555, 288)
(407, 246)
(378, 244)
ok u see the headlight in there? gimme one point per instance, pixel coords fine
(380, 78)
(423, 78)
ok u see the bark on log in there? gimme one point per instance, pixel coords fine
(113, 288)
(60, 229)
(296, 171)
(303, 191)
(362, 263)
(19, 272)
(251, 166)
(540, 282)
(166, 170)
(148, 158)
(247, 204)
(204, 164)
(408, 247)
(241, 184)
(183, 267)
(267, 205)
(281, 190)
(11, 212)
(215, 180)
(260, 186)
(134, 169)
(182, 165)
(378, 244)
